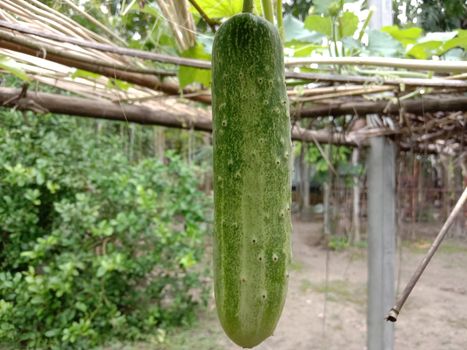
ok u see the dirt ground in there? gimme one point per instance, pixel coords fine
(334, 317)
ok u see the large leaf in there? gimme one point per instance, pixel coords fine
(320, 24)
(435, 43)
(296, 31)
(348, 24)
(383, 44)
(404, 36)
(225, 8)
(425, 49)
(189, 75)
(351, 43)
(459, 41)
(455, 54)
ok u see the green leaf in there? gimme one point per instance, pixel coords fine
(219, 9)
(80, 73)
(81, 306)
(351, 43)
(52, 333)
(424, 50)
(383, 44)
(119, 84)
(189, 75)
(301, 49)
(150, 9)
(188, 260)
(404, 36)
(460, 41)
(435, 43)
(320, 24)
(348, 24)
(295, 31)
(455, 54)
(13, 68)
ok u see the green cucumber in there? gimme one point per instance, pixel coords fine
(252, 185)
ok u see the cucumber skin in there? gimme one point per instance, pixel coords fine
(252, 184)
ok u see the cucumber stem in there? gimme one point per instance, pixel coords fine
(267, 10)
(365, 24)
(247, 6)
(280, 23)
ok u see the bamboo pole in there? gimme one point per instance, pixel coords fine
(142, 114)
(410, 64)
(434, 82)
(394, 312)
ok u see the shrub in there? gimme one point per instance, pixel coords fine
(92, 246)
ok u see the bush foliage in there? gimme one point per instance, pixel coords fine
(92, 245)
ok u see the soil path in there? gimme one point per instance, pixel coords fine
(332, 315)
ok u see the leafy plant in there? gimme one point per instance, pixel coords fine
(93, 246)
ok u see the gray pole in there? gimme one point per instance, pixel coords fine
(381, 221)
(381, 242)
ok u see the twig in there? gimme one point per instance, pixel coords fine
(94, 21)
(325, 90)
(211, 22)
(361, 91)
(394, 312)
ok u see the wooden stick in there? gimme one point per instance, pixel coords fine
(429, 65)
(416, 106)
(361, 91)
(394, 312)
(340, 78)
(154, 114)
(108, 48)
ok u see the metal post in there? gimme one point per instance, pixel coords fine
(381, 241)
(381, 220)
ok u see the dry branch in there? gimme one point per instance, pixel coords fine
(418, 106)
(109, 48)
(186, 118)
(145, 80)
(46, 49)
(102, 109)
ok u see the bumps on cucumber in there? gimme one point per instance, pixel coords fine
(252, 185)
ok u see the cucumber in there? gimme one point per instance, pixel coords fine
(252, 184)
